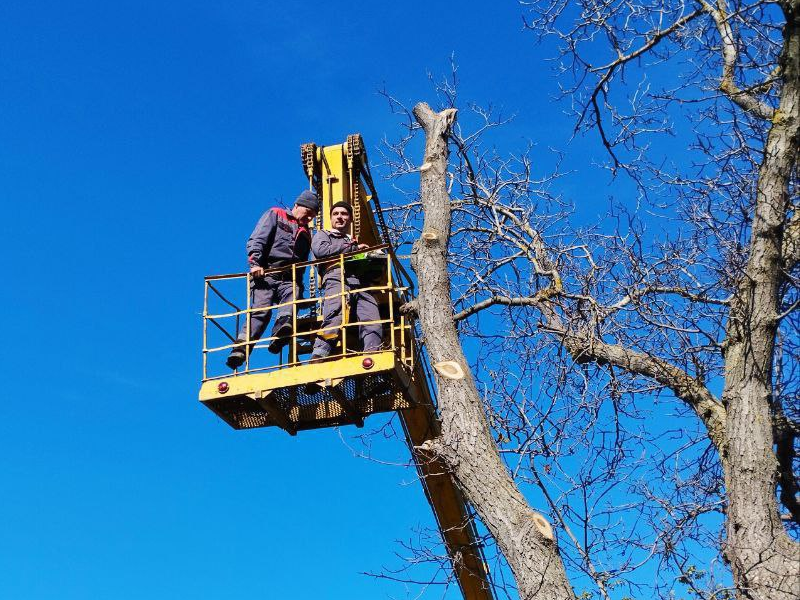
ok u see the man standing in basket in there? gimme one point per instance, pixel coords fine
(281, 238)
(329, 244)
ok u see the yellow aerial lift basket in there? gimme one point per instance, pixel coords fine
(294, 393)
(348, 385)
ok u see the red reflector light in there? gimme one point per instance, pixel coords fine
(223, 387)
(367, 363)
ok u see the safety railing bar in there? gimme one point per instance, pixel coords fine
(307, 300)
(258, 343)
(355, 291)
(251, 371)
(225, 276)
(376, 288)
(294, 312)
(348, 324)
(248, 323)
(388, 320)
(259, 309)
(339, 258)
(345, 313)
(389, 284)
(257, 370)
(221, 297)
(262, 342)
(276, 367)
(406, 348)
(304, 264)
(205, 330)
(243, 312)
(221, 328)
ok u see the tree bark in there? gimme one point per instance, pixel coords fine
(764, 560)
(465, 444)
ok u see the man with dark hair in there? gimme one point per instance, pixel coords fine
(327, 244)
(280, 238)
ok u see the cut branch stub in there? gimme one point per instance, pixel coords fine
(429, 235)
(428, 450)
(425, 166)
(409, 308)
(449, 369)
(543, 526)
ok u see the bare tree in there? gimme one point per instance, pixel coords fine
(655, 367)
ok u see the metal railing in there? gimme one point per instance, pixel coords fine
(386, 284)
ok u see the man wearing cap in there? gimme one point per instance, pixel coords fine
(328, 244)
(280, 238)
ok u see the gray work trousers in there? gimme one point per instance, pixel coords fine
(363, 304)
(269, 291)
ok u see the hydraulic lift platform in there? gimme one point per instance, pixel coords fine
(344, 389)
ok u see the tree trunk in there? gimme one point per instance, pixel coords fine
(466, 445)
(764, 560)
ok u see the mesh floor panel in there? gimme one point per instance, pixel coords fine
(307, 409)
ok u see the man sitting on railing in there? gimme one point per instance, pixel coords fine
(327, 244)
(280, 239)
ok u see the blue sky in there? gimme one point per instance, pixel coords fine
(139, 143)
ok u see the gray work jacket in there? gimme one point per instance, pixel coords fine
(328, 244)
(278, 240)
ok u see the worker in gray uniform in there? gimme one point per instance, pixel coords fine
(279, 239)
(328, 244)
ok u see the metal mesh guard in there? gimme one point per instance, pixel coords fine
(366, 394)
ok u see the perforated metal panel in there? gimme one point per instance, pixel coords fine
(348, 402)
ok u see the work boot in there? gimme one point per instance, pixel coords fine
(236, 358)
(282, 332)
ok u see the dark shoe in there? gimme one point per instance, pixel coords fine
(282, 331)
(235, 358)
